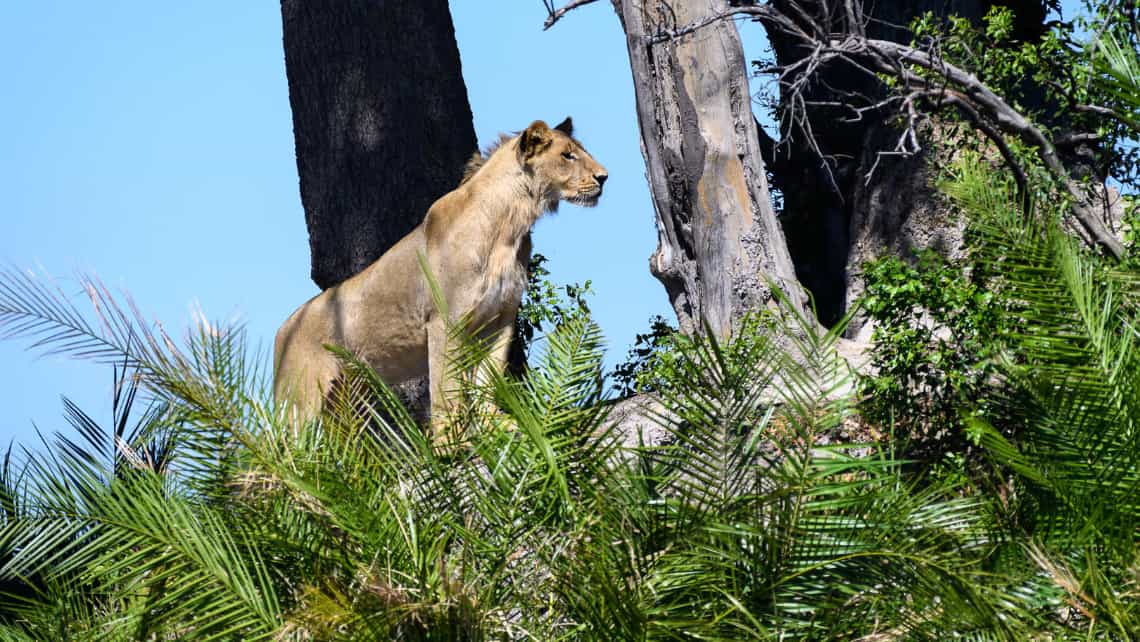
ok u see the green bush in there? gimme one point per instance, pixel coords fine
(936, 332)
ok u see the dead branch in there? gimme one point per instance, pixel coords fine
(998, 112)
(1077, 138)
(1109, 113)
(554, 15)
(922, 74)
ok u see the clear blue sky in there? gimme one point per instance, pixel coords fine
(150, 143)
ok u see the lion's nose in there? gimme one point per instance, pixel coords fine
(601, 178)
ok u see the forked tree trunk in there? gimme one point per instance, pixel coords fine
(720, 245)
(380, 118)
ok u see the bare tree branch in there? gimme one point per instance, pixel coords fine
(966, 109)
(556, 14)
(1110, 113)
(923, 74)
(1077, 138)
(1005, 118)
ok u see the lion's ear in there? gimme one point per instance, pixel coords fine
(566, 127)
(535, 138)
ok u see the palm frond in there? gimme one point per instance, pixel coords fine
(135, 537)
(1119, 69)
(1073, 380)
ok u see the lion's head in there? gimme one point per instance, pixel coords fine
(561, 163)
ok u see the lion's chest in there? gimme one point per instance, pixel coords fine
(504, 280)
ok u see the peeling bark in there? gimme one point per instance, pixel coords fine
(720, 246)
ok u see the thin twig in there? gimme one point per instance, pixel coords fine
(556, 14)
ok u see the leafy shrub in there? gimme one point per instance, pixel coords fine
(648, 360)
(658, 361)
(546, 305)
(935, 333)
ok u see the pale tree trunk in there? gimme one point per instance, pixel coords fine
(720, 247)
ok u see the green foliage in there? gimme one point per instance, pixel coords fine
(1010, 66)
(747, 527)
(1073, 387)
(537, 523)
(1036, 355)
(546, 305)
(1118, 67)
(657, 362)
(1054, 78)
(936, 330)
(1119, 76)
(648, 361)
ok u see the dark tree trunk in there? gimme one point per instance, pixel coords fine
(720, 245)
(834, 217)
(380, 118)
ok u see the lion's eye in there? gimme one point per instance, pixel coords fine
(569, 156)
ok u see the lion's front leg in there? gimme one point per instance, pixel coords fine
(500, 347)
(441, 380)
(445, 381)
(498, 351)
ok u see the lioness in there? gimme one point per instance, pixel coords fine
(476, 240)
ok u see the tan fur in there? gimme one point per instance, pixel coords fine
(479, 159)
(476, 240)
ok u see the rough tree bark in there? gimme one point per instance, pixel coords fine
(719, 242)
(380, 118)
